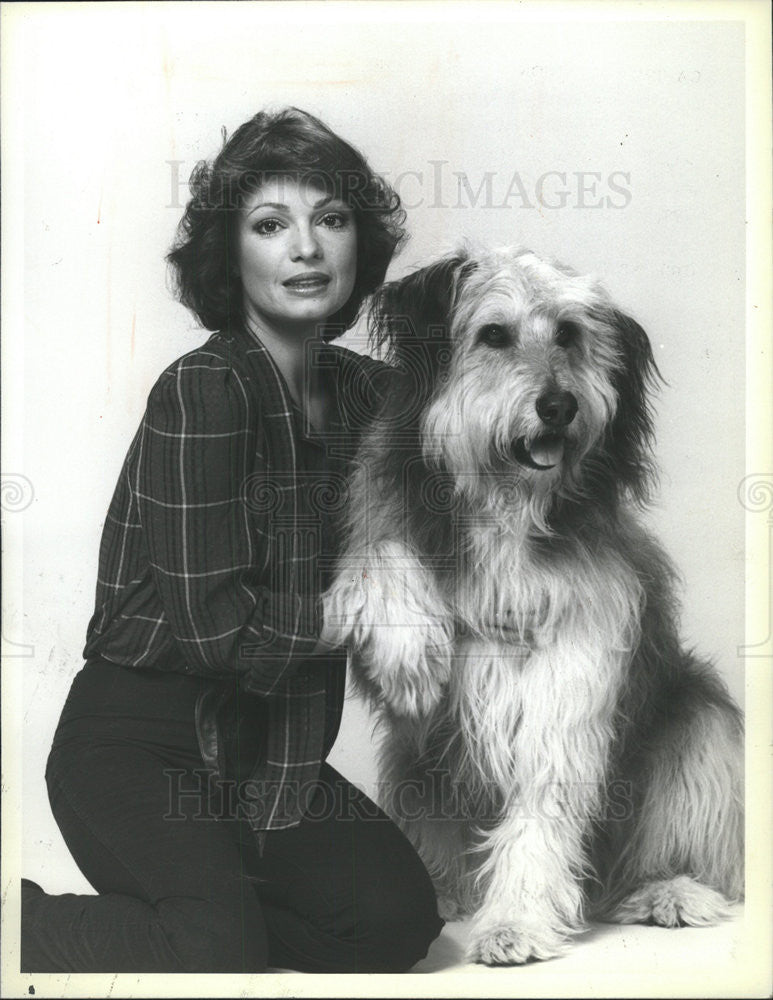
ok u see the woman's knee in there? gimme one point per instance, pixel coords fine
(399, 925)
(214, 937)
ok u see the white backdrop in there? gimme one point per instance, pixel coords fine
(633, 128)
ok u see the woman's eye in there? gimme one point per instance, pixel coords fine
(493, 335)
(266, 227)
(334, 220)
(567, 333)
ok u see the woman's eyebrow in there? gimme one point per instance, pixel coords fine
(326, 199)
(268, 204)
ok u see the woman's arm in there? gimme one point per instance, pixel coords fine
(200, 442)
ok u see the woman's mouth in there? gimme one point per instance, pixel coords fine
(311, 282)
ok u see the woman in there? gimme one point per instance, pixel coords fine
(188, 772)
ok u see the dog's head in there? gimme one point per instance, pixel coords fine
(523, 371)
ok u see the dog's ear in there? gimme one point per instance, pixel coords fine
(411, 319)
(419, 306)
(630, 436)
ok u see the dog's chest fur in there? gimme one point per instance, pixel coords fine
(570, 619)
(538, 587)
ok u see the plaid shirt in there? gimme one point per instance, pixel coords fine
(217, 545)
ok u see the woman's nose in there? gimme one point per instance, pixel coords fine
(305, 244)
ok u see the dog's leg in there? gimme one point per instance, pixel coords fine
(534, 858)
(416, 766)
(443, 845)
(683, 862)
(389, 608)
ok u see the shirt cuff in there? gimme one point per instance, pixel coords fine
(288, 636)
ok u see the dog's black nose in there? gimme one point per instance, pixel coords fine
(556, 409)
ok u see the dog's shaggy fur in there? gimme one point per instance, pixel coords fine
(549, 746)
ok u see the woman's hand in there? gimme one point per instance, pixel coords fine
(328, 639)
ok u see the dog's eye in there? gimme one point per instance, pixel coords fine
(567, 333)
(493, 335)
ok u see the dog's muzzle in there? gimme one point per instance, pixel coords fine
(556, 409)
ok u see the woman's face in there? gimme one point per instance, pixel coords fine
(297, 255)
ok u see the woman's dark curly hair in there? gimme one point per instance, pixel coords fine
(286, 143)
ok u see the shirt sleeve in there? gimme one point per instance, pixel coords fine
(200, 442)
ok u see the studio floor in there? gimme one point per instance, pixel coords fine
(608, 960)
(609, 946)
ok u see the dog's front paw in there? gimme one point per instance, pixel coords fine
(515, 943)
(393, 617)
(409, 670)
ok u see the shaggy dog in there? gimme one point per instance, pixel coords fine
(550, 748)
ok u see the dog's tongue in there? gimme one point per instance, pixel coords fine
(547, 451)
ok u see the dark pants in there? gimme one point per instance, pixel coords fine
(182, 886)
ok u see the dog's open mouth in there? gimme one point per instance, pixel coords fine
(542, 452)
